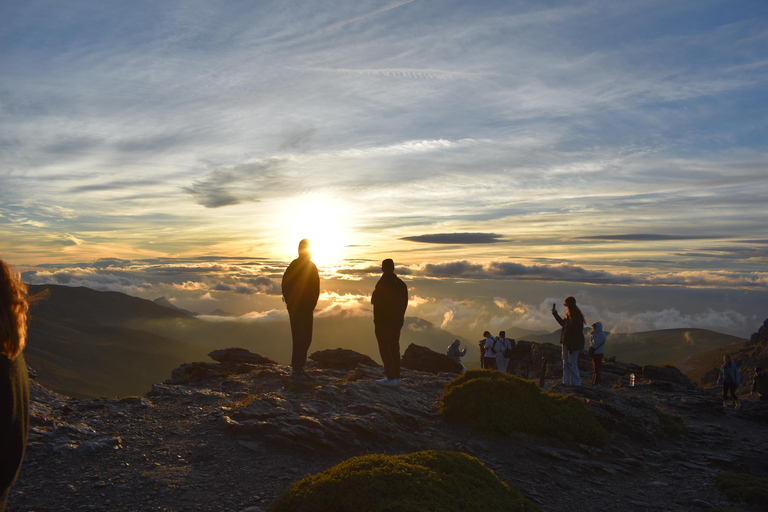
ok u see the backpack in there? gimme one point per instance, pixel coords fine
(507, 352)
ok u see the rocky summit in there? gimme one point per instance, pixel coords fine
(231, 435)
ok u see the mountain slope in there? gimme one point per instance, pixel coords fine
(655, 347)
(87, 343)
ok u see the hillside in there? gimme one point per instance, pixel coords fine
(703, 368)
(87, 343)
(655, 347)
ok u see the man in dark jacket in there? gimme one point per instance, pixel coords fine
(390, 300)
(301, 288)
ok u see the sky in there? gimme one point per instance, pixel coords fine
(504, 154)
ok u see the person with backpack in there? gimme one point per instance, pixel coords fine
(572, 340)
(489, 356)
(503, 351)
(730, 379)
(596, 351)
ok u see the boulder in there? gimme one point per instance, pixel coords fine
(239, 355)
(341, 358)
(667, 374)
(194, 372)
(423, 359)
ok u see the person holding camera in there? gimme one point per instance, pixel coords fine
(572, 340)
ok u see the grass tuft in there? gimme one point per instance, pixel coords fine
(425, 481)
(743, 487)
(493, 401)
(672, 424)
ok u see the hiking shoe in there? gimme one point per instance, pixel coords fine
(389, 382)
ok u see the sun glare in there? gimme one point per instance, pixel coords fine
(320, 220)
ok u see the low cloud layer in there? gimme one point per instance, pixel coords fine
(456, 238)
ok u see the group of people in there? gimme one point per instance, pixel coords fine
(301, 290)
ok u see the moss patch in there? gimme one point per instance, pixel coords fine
(672, 424)
(493, 401)
(744, 487)
(425, 481)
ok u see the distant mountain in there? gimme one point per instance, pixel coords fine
(221, 312)
(162, 301)
(519, 333)
(83, 343)
(704, 367)
(654, 347)
(87, 343)
(663, 346)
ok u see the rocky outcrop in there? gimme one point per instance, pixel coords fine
(667, 374)
(761, 336)
(341, 358)
(424, 359)
(239, 355)
(191, 445)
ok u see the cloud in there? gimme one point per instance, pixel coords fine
(456, 238)
(452, 269)
(642, 238)
(344, 304)
(237, 184)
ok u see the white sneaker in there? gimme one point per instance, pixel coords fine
(389, 382)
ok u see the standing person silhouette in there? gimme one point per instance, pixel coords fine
(572, 340)
(301, 289)
(14, 380)
(390, 300)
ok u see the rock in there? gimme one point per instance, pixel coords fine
(342, 358)
(424, 359)
(239, 355)
(667, 374)
(194, 372)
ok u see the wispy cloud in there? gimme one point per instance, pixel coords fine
(455, 238)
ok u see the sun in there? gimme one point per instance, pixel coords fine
(323, 222)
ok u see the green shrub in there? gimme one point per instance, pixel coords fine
(425, 481)
(744, 487)
(494, 401)
(672, 424)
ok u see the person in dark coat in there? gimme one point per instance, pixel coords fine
(390, 300)
(572, 340)
(14, 380)
(760, 384)
(301, 289)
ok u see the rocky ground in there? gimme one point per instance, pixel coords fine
(232, 436)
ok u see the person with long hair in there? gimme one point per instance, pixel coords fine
(572, 340)
(14, 380)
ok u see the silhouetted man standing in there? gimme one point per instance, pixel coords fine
(390, 300)
(301, 288)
